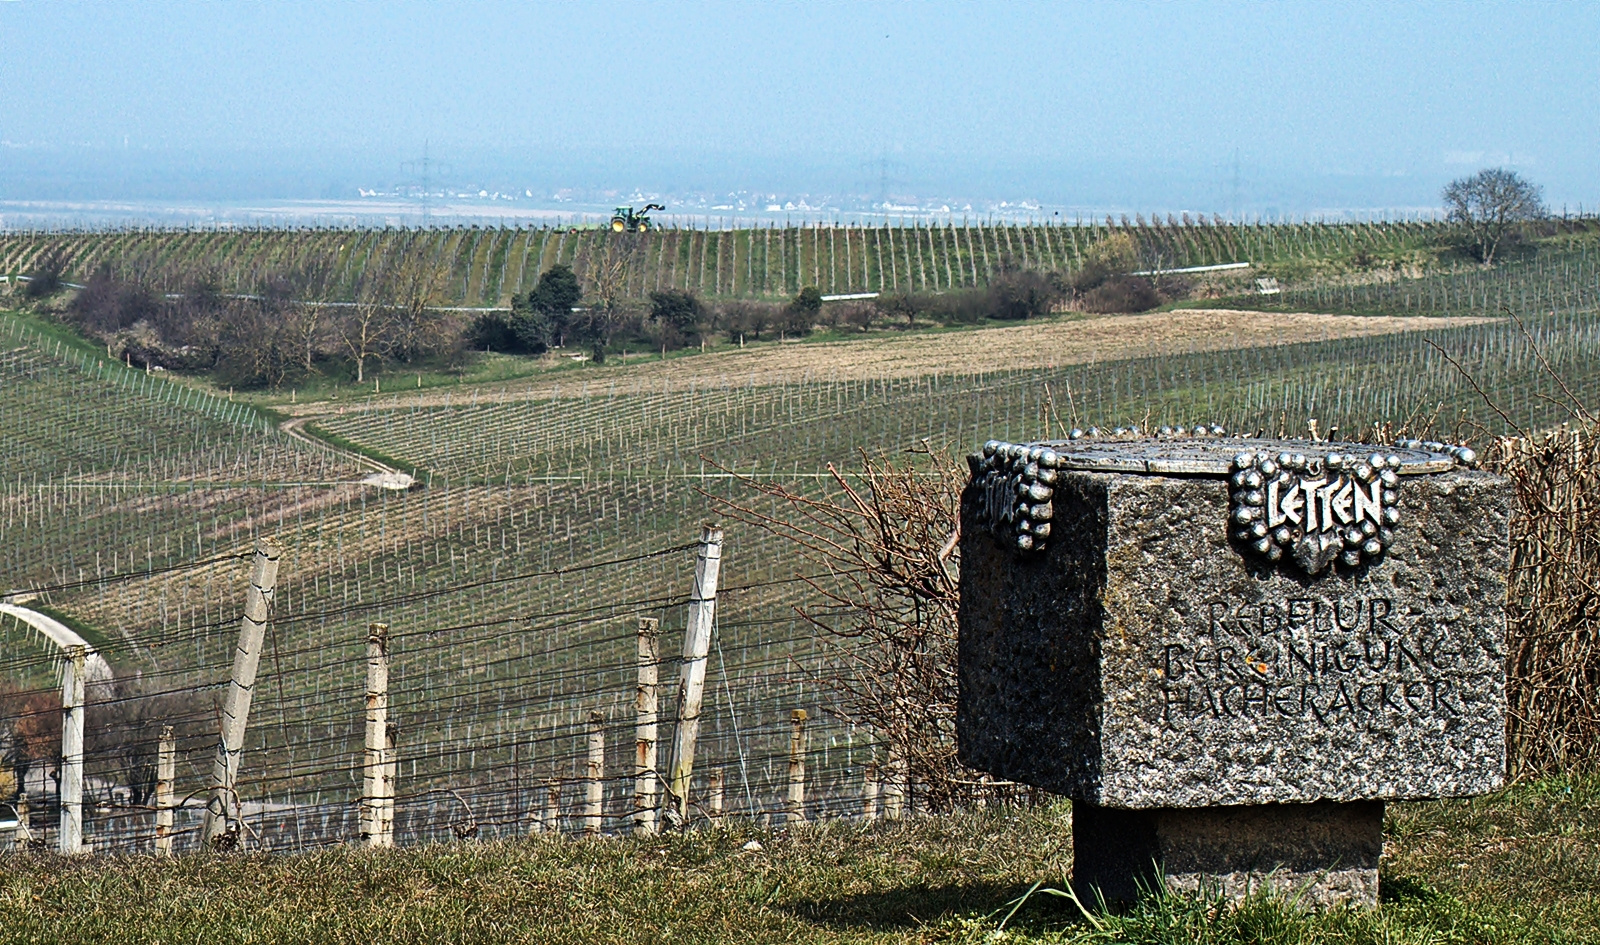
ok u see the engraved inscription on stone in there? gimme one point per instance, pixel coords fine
(1355, 662)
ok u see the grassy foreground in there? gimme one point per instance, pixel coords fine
(1521, 866)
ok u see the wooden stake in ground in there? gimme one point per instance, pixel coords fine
(594, 776)
(797, 766)
(222, 807)
(166, 774)
(377, 789)
(646, 779)
(696, 647)
(70, 838)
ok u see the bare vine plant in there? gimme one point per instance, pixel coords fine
(881, 547)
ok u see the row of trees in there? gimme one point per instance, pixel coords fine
(560, 311)
(272, 335)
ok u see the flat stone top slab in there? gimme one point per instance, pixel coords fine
(1214, 455)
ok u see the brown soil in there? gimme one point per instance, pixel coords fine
(1036, 345)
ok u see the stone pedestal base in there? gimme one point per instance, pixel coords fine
(1321, 853)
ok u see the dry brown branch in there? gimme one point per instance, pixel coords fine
(1574, 405)
(1476, 387)
(1553, 603)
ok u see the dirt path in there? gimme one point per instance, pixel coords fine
(383, 475)
(1037, 345)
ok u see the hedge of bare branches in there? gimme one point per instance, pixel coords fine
(1553, 601)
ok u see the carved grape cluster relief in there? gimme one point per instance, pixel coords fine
(1317, 511)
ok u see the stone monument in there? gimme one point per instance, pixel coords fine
(1231, 651)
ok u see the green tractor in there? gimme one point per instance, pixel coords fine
(625, 220)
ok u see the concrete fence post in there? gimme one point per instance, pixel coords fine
(894, 791)
(594, 784)
(222, 807)
(552, 809)
(715, 795)
(166, 774)
(391, 778)
(646, 779)
(22, 836)
(377, 788)
(74, 668)
(696, 648)
(869, 792)
(797, 767)
(536, 813)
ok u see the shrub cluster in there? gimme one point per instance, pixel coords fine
(1552, 612)
(556, 314)
(267, 337)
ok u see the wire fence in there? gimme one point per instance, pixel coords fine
(493, 718)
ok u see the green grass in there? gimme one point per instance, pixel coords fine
(1516, 867)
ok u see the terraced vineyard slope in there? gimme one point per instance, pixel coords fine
(550, 515)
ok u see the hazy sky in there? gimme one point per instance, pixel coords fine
(1052, 98)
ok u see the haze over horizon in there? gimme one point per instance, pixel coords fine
(844, 109)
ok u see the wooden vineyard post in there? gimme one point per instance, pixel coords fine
(696, 648)
(70, 838)
(797, 767)
(377, 786)
(869, 792)
(646, 779)
(714, 795)
(222, 807)
(166, 774)
(594, 776)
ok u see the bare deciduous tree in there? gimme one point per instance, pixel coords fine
(418, 326)
(364, 331)
(1488, 204)
(307, 324)
(608, 300)
(364, 327)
